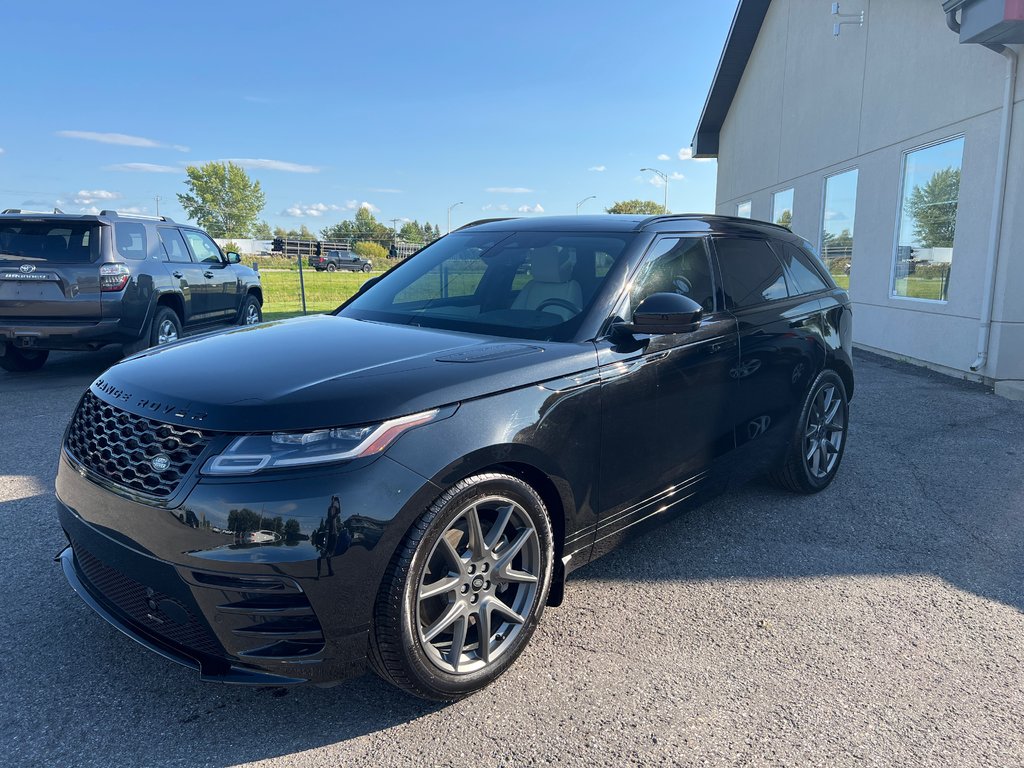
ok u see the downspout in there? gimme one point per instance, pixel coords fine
(999, 196)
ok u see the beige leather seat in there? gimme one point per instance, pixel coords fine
(552, 279)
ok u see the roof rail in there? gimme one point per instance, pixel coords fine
(706, 216)
(22, 210)
(118, 215)
(486, 221)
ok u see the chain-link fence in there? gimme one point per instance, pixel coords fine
(289, 290)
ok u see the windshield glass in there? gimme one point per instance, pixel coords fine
(56, 242)
(528, 285)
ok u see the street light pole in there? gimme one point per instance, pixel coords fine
(453, 205)
(581, 202)
(664, 178)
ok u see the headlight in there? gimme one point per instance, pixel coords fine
(253, 453)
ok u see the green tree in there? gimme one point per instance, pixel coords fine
(647, 207)
(831, 241)
(262, 231)
(785, 218)
(933, 209)
(280, 232)
(222, 199)
(375, 252)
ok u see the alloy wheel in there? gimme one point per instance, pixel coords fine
(166, 332)
(825, 429)
(479, 585)
(252, 315)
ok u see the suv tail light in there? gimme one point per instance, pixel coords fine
(113, 277)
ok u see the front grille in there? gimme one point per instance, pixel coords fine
(121, 446)
(158, 613)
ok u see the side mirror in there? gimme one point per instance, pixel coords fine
(233, 258)
(664, 313)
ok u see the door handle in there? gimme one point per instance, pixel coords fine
(207, 274)
(177, 274)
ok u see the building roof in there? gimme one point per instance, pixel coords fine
(746, 25)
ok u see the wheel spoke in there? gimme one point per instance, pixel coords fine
(443, 621)
(453, 557)
(494, 535)
(815, 459)
(830, 414)
(835, 428)
(822, 458)
(440, 587)
(459, 630)
(812, 450)
(827, 393)
(483, 631)
(518, 577)
(497, 606)
(830, 448)
(509, 552)
(477, 545)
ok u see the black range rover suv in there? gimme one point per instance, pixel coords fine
(412, 477)
(82, 282)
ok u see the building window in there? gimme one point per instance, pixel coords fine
(743, 210)
(782, 207)
(837, 220)
(927, 225)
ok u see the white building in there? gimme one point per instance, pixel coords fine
(888, 144)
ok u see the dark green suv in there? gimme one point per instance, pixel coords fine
(71, 282)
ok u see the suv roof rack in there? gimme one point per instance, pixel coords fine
(115, 214)
(22, 210)
(705, 216)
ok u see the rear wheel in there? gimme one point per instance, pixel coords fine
(466, 589)
(817, 447)
(332, 268)
(22, 360)
(366, 267)
(166, 327)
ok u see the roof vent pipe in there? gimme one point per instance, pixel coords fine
(999, 196)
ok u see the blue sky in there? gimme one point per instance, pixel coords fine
(405, 107)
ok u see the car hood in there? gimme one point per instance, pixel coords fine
(325, 371)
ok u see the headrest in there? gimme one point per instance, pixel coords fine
(548, 265)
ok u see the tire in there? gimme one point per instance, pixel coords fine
(23, 360)
(367, 267)
(819, 441)
(166, 327)
(331, 268)
(250, 313)
(501, 581)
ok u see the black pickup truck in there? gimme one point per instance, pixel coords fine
(335, 260)
(72, 282)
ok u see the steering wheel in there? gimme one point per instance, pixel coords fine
(558, 303)
(682, 285)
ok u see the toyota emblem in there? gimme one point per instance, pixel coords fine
(27, 268)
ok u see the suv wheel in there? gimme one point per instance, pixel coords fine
(251, 313)
(332, 268)
(22, 360)
(817, 446)
(464, 592)
(166, 327)
(366, 267)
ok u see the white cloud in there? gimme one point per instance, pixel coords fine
(143, 168)
(271, 165)
(369, 206)
(386, 190)
(90, 211)
(687, 154)
(538, 208)
(510, 190)
(663, 156)
(122, 139)
(598, 168)
(496, 207)
(658, 182)
(89, 196)
(302, 210)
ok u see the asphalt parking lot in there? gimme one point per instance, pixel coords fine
(879, 623)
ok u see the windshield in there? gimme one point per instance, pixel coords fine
(56, 242)
(528, 285)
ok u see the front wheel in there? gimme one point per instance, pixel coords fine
(251, 314)
(331, 268)
(22, 360)
(464, 592)
(819, 441)
(367, 267)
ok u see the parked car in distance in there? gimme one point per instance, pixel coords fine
(332, 261)
(513, 401)
(70, 282)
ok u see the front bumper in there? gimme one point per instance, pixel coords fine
(256, 607)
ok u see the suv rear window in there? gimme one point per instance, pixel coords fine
(55, 242)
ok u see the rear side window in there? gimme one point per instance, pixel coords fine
(130, 240)
(174, 245)
(805, 277)
(751, 273)
(64, 242)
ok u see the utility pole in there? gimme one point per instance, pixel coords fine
(664, 178)
(581, 202)
(158, 205)
(450, 215)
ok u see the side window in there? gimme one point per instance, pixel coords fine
(675, 265)
(130, 240)
(203, 248)
(750, 271)
(805, 277)
(174, 245)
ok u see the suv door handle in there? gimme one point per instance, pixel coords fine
(177, 274)
(207, 274)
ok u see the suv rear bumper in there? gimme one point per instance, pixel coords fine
(65, 334)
